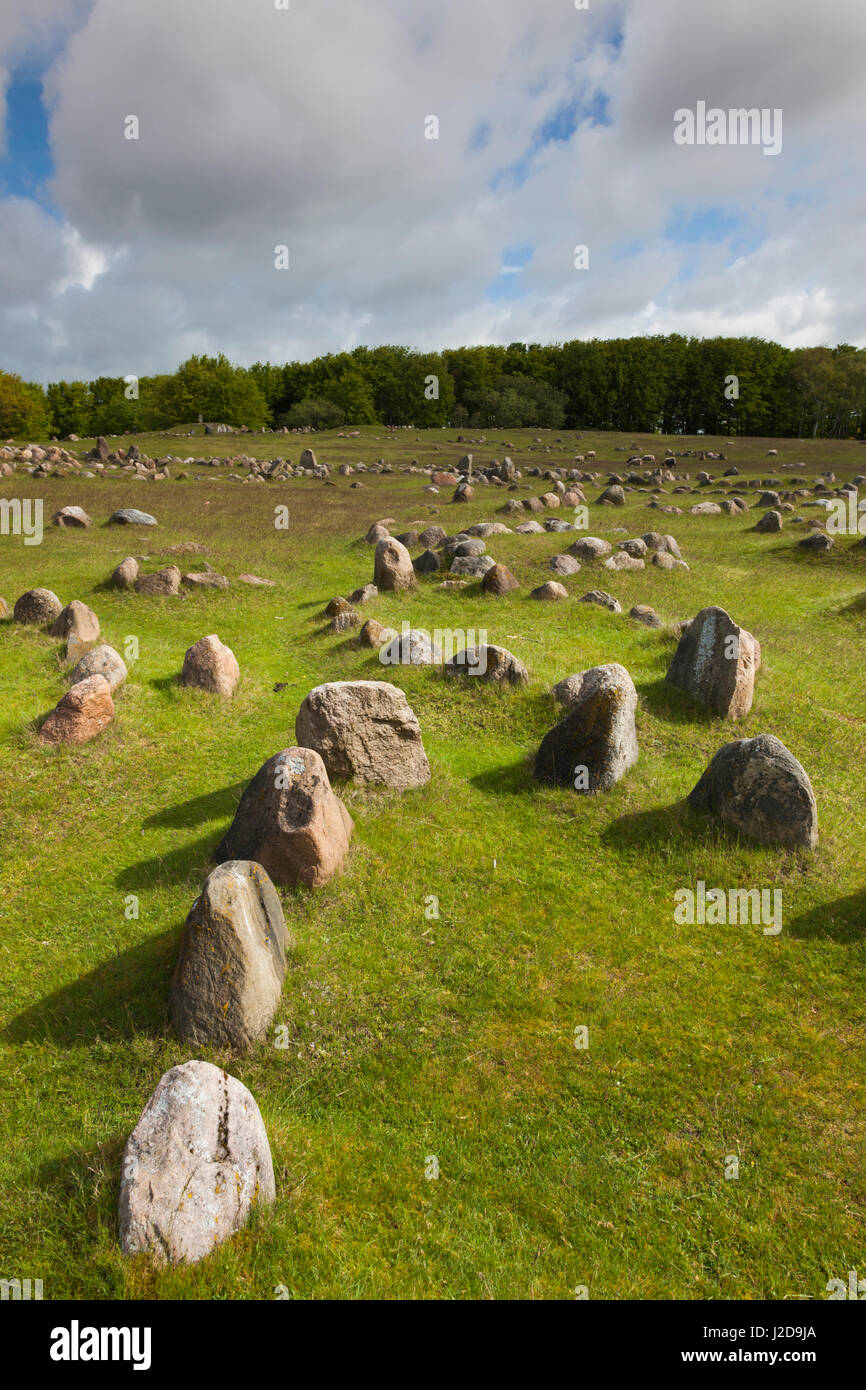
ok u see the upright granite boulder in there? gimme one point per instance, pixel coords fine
(210, 665)
(716, 662)
(194, 1167)
(364, 730)
(756, 786)
(393, 567)
(229, 975)
(291, 822)
(76, 620)
(596, 742)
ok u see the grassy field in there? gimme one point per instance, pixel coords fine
(558, 1167)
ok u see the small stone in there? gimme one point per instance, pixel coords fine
(131, 516)
(83, 712)
(38, 607)
(604, 600)
(549, 592)
(101, 661)
(164, 582)
(499, 580)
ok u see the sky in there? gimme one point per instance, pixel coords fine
(306, 127)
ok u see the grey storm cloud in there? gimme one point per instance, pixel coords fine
(261, 126)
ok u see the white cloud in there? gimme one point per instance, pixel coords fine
(306, 127)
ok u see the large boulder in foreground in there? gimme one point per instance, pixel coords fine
(393, 568)
(37, 606)
(716, 662)
(291, 822)
(84, 711)
(229, 975)
(210, 665)
(364, 730)
(596, 742)
(194, 1166)
(756, 786)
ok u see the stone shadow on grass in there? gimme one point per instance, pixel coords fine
(843, 920)
(191, 862)
(668, 702)
(127, 994)
(211, 806)
(676, 824)
(515, 779)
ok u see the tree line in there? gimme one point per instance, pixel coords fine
(671, 383)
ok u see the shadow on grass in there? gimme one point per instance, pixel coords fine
(668, 702)
(672, 825)
(842, 920)
(212, 806)
(193, 861)
(515, 779)
(856, 609)
(127, 994)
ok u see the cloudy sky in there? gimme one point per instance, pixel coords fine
(306, 127)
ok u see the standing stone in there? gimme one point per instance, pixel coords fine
(307, 459)
(499, 580)
(210, 665)
(102, 661)
(364, 730)
(37, 607)
(125, 575)
(83, 712)
(229, 975)
(613, 496)
(759, 788)
(715, 663)
(193, 1168)
(393, 567)
(373, 634)
(426, 563)
(770, 522)
(291, 822)
(77, 620)
(596, 742)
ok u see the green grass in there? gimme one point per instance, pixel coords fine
(454, 1037)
